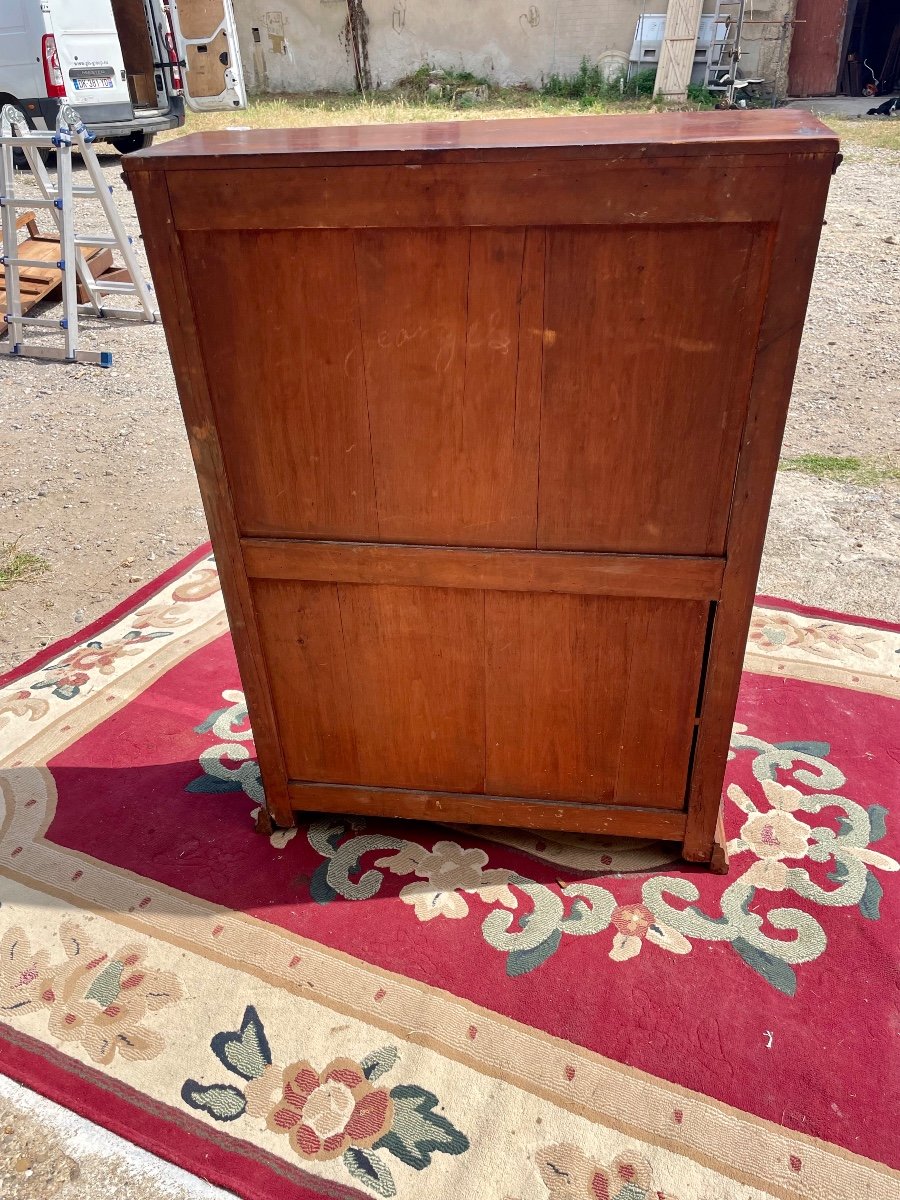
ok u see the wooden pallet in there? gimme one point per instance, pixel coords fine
(41, 283)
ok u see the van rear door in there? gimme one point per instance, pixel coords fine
(89, 57)
(206, 36)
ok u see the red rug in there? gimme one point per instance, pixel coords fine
(358, 1008)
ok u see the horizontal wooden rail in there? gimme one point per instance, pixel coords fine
(517, 811)
(676, 577)
(693, 191)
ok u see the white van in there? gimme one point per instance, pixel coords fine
(127, 66)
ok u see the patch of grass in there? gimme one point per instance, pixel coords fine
(591, 82)
(290, 111)
(18, 566)
(874, 133)
(862, 471)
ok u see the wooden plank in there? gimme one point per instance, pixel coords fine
(790, 277)
(631, 376)
(516, 811)
(675, 576)
(667, 644)
(720, 190)
(417, 685)
(454, 424)
(171, 282)
(676, 56)
(376, 685)
(591, 698)
(303, 642)
(296, 462)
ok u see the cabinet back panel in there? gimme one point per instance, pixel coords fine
(482, 387)
(560, 696)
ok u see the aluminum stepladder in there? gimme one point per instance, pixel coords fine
(59, 201)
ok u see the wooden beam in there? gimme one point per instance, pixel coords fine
(519, 811)
(677, 577)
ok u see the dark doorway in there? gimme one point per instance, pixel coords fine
(843, 46)
(872, 48)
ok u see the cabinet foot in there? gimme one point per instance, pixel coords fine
(718, 863)
(264, 823)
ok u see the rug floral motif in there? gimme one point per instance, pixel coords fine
(783, 829)
(356, 1008)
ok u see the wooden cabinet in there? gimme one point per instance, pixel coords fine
(486, 418)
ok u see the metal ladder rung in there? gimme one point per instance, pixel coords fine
(80, 191)
(42, 263)
(87, 240)
(44, 322)
(119, 314)
(126, 289)
(26, 202)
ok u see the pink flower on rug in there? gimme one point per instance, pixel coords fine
(772, 835)
(635, 922)
(325, 1113)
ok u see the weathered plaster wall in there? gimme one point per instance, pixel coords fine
(305, 45)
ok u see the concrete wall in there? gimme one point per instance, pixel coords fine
(305, 45)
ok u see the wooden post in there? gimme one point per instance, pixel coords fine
(676, 57)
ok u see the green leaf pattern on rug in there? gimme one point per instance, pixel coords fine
(418, 1131)
(220, 1100)
(328, 1114)
(245, 1052)
(219, 775)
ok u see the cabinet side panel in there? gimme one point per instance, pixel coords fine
(792, 261)
(279, 334)
(172, 284)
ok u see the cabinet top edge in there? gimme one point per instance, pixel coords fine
(645, 135)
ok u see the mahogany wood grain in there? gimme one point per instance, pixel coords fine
(533, 139)
(676, 191)
(294, 462)
(377, 685)
(486, 419)
(516, 811)
(576, 683)
(454, 429)
(631, 374)
(675, 576)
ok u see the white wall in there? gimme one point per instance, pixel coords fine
(303, 44)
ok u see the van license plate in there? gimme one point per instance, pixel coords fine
(83, 85)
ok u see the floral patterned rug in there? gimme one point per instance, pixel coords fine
(369, 1008)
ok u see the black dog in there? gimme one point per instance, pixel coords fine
(885, 110)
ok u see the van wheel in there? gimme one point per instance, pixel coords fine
(134, 141)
